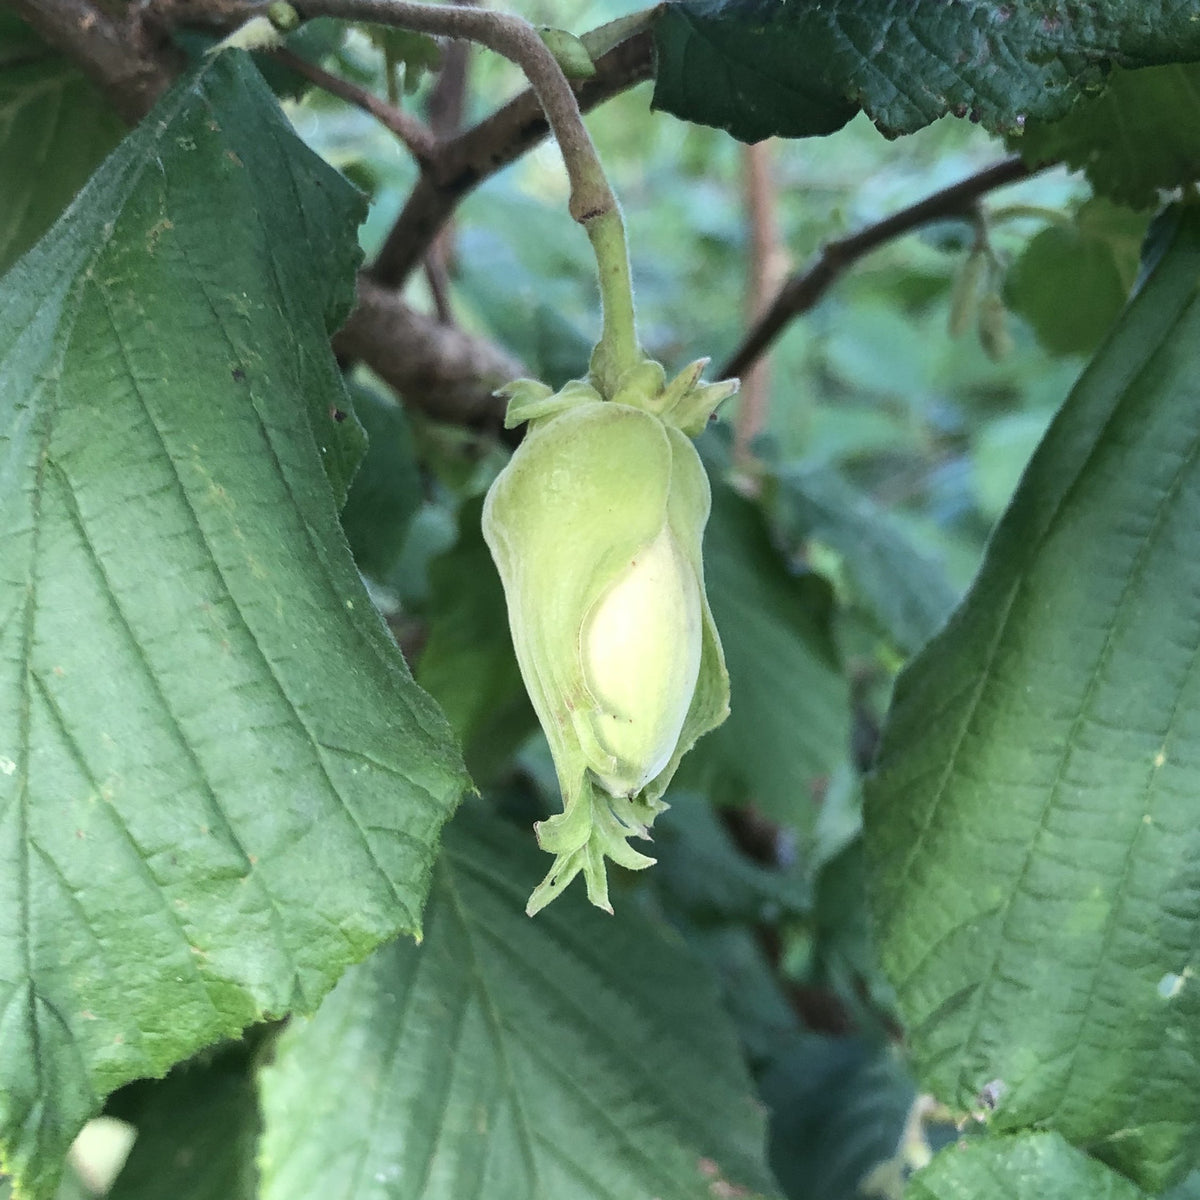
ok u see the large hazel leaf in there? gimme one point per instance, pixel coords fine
(1033, 823)
(1033, 1166)
(795, 68)
(218, 783)
(577, 1056)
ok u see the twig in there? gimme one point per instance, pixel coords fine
(448, 96)
(515, 39)
(442, 370)
(803, 290)
(467, 160)
(413, 133)
(444, 110)
(591, 201)
(438, 278)
(130, 67)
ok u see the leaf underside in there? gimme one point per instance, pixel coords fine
(505, 1059)
(1140, 134)
(1032, 823)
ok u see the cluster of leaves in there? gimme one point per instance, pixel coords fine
(224, 795)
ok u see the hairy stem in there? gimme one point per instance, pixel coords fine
(618, 347)
(476, 154)
(592, 202)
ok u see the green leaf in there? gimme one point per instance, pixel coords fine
(1032, 828)
(1034, 1166)
(197, 1133)
(577, 1056)
(1071, 281)
(838, 1107)
(1142, 133)
(55, 128)
(772, 67)
(789, 722)
(753, 994)
(703, 874)
(385, 492)
(904, 592)
(218, 783)
(468, 665)
(845, 958)
(18, 43)
(416, 53)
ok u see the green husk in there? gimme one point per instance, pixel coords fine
(595, 484)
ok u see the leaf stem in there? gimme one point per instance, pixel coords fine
(618, 347)
(592, 202)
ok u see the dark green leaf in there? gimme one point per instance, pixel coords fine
(468, 665)
(751, 989)
(55, 128)
(1032, 826)
(1033, 1166)
(218, 783)
(578, 1055)
(1140, 134)
(18, 43)
(197, 1133)
(789, 724)
(772, 67)
(386, 490)
(703, 874)
(903, 591)
(838, 1107)
(1071, 281)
